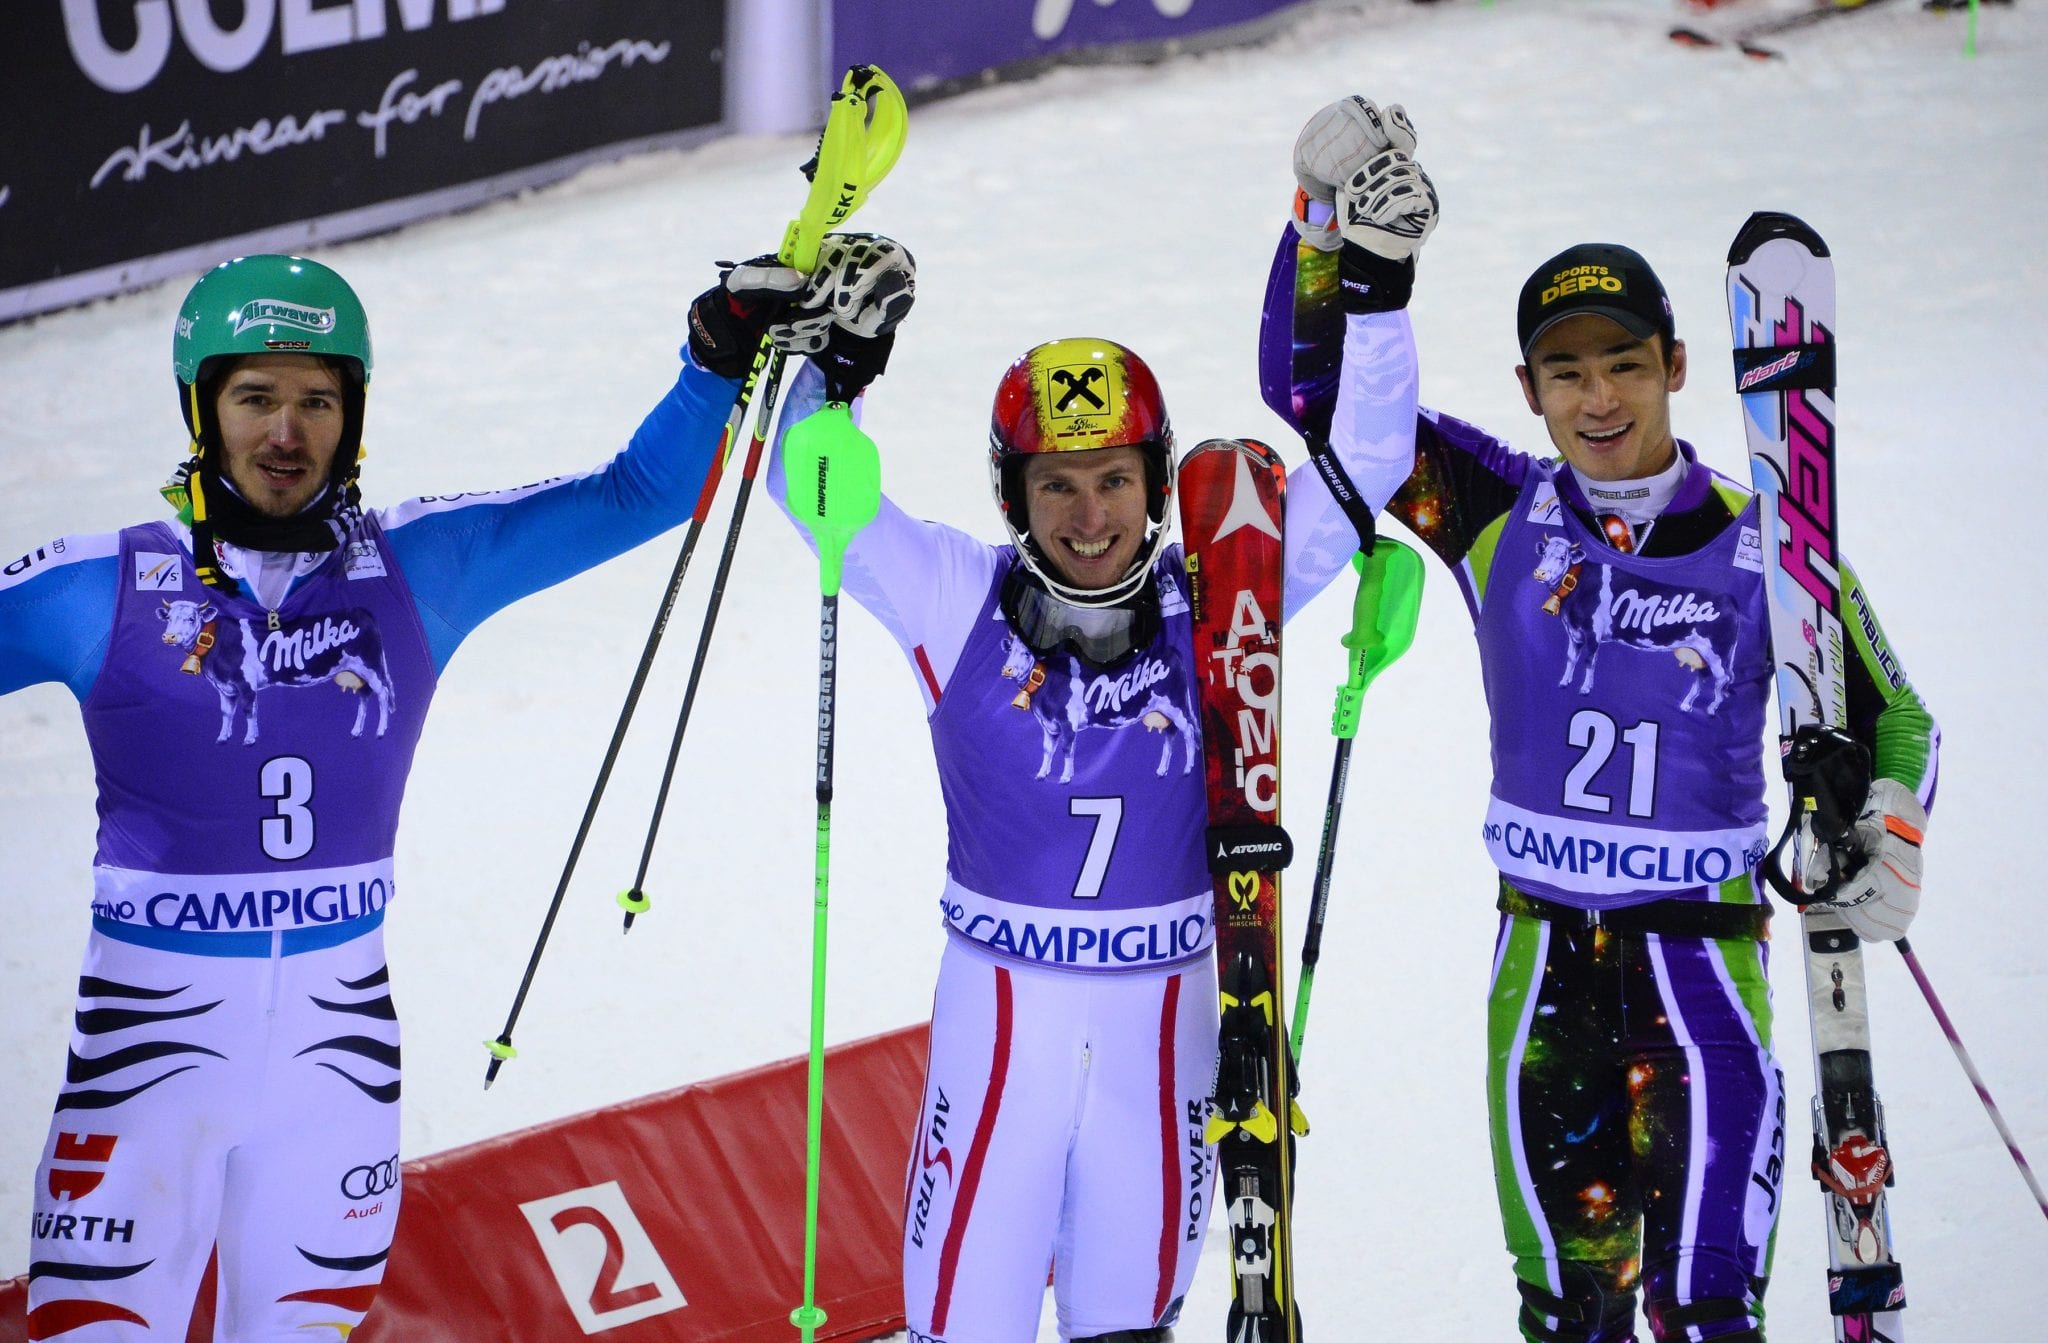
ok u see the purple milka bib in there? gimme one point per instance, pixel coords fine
(251, 763)
(1627, 697)
(1074, 796)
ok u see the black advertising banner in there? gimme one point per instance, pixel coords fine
(134, 133)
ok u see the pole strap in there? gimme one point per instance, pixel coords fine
(1324, 458)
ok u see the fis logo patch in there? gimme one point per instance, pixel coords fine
(1172, 601)
(156, 572)
(1544, 509)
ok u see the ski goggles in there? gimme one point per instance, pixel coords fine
(1098, 635)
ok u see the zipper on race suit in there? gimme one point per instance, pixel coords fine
(1083, 1085)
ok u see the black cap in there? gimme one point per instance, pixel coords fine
(1606, 279)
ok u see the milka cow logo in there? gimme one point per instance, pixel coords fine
(240, 659)
(1643, 614)
(1149, 691)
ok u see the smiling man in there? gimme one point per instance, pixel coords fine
(1635, 1100)
(1074, 1027)
(1089, 514)
(1603, 360)
(1636, 1107)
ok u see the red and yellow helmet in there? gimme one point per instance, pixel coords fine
(1078, 395)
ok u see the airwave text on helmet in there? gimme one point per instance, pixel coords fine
(282, 312)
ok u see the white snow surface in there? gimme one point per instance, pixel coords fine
(526, 338)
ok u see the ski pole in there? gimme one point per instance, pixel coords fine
(867, 105)
(835, 490)
(501, 1048)
(1383, 616)
(1970, 1071)
(634, 899)
(862, 139)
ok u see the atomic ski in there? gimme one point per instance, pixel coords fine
(1781, 308)
(1230, 505)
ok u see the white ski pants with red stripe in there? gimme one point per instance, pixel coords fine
(248, 1101)
(1061, 1128)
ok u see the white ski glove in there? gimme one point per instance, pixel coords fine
(863, 284)
(845, 318)
(1348, 149)
(1388, 207)
(1341, 138)
(1363, 195)
(1878, 898)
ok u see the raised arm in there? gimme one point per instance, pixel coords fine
(467, 556)
(1372, 437)
(470, 555)
(922, 580)
(1363, 211)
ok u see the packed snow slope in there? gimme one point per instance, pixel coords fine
(1141, 203)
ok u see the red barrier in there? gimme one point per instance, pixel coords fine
(679, 1213)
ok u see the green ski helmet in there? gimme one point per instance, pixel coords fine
(266, 305)
(258, 305)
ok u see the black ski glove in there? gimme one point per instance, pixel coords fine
(1369, 282)
(851, 362)
(728, 320)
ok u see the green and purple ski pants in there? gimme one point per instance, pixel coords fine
(1638, 1129)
